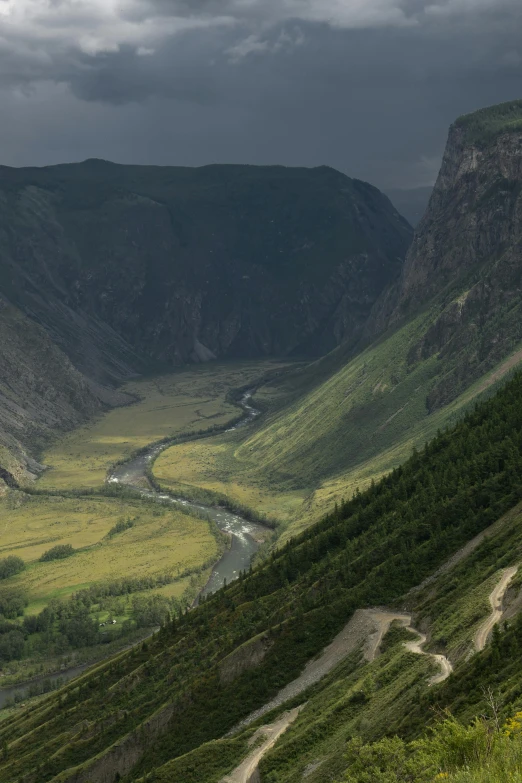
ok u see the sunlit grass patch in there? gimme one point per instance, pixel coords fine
(187, 401)
(209, 464)
(161, 542)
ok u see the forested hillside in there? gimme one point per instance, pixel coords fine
(199, 676)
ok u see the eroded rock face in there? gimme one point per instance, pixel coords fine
(465, 263)
(248, 656)
(474, 218)
(8, 478)
(41, 393)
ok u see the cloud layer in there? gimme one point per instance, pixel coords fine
(366, 85)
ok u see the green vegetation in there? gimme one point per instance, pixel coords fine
(120, 527)
(207, 764)
(482, 126)
(483, 752)
(10, 566)
(371, 550)
(185, 403)
(161, 542)
(12, 603)
(340, 434)
(65, 604)
(58, 552)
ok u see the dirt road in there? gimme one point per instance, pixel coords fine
(416, 647)
(271, 733)
(495, 599)
(366, 629)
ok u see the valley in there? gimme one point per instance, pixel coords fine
(184, 403)
(296, 583)
(296, 558)
(322, 445)
(132, 561)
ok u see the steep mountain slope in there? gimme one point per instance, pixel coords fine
(41, 393)
(194, 681)
(186, 264)
(467, 252)
(445, 333)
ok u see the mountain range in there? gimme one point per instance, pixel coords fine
(398, 598)
(129, 269)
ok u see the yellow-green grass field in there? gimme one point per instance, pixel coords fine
(162, 542)
(209, 464)
(264, 469)
(186, 401)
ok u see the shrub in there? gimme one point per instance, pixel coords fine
(58, 552)
(10, 566)
(120, 527)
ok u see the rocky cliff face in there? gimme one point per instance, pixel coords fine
(466, 256)
(122, 262)
(40, 393)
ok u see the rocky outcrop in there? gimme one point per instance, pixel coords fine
(465, 262)
(248, 656)
(40, 393)
(119, 759)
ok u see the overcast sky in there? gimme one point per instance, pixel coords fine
(366, 86)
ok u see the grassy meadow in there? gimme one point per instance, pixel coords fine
(345, 433)
(161, 543)
(125, 550)
(186, 401)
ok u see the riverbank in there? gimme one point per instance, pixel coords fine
(245, 535)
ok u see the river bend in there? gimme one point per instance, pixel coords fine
(244, 535)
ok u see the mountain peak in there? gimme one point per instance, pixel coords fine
(481, 126)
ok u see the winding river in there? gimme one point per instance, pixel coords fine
(244, 535)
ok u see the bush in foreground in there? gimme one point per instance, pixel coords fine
(483, 752)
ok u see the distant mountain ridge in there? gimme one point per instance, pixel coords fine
(185, 265)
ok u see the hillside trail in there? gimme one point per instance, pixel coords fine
(495, 599)
(366, 629)
(445, 666)
(246, 771)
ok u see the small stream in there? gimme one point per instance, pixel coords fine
(41, 684)
(244, 535)
(244, 538)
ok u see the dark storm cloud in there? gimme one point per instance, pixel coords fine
(368, 86)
